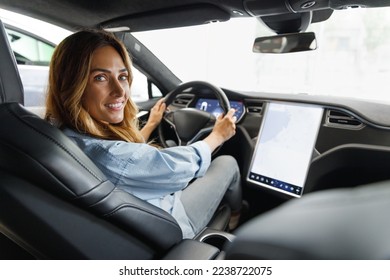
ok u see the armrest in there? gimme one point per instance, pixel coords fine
(189, 249)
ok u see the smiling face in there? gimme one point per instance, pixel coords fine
(108, 89)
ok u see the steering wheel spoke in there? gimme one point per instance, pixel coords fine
(168, 117)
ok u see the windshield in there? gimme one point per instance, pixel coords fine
(352, 59)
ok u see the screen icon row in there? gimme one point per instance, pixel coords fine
(275, 183)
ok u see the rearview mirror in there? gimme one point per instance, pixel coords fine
(286, 43)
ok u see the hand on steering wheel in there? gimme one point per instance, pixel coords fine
(224, 129)
(190, 124)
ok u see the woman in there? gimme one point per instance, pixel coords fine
(89, 98)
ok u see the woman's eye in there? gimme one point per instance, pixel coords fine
(123, 78)
(100, 78)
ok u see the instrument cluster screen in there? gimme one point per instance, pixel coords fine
(212, 106)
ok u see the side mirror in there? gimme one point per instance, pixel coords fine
(286, 43)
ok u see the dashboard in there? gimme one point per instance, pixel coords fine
(350, 149)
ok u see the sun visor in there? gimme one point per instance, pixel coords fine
(169, 18)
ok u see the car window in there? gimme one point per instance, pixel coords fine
(28, 49)
(140, 87)
(33, 55)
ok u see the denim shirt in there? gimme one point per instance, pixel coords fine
(155, 175)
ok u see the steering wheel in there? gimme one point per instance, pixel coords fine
(191, 124)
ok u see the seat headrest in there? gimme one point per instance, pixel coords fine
(11, 88)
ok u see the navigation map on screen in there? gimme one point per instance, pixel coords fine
(285, 146)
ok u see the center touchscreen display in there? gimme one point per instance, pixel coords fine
(285, 146)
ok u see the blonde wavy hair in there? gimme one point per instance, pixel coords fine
(68, 76)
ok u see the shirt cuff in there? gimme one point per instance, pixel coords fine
(204, 152)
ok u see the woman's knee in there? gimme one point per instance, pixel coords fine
(227, 163)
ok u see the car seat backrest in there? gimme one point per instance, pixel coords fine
(11, 88)
(38, 152)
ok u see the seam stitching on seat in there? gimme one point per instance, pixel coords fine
(57, 143)
(80, 197)
(129, 205)
(42, 166)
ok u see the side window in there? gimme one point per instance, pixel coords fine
(139, 87)
(33, 57)
(156, 91)
(29, 50)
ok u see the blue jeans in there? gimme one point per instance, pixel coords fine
(203, 196)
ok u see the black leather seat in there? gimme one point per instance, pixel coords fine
(40, 160)
(349, 223)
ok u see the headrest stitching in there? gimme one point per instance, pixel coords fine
(54, 141)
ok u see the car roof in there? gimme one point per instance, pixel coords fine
(154, 14)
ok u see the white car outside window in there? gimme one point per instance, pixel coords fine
(32, 52)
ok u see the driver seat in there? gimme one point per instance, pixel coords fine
(42, 171)
(55, 203)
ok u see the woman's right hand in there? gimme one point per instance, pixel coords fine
(224, 129)
(156, 114)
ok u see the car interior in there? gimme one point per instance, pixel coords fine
(56, 204)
